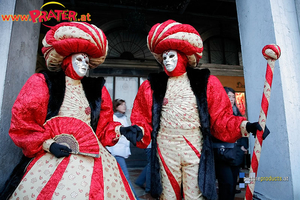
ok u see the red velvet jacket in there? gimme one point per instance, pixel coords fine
(40, 99)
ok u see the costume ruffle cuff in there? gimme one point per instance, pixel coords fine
(244, 130)
(118, 133)
(47, 144)
(142, 130)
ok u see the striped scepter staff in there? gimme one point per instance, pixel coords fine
(271, 53)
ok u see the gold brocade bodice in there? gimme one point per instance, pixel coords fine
(179, 108)
(75, 103)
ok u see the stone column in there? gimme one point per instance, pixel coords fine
(274, 22)
(18, 53)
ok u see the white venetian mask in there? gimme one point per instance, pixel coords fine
(80, 63)
(170, 60)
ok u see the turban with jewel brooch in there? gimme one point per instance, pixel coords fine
(68, 38)
(171, 35)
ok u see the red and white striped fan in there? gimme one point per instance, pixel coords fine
(75, 134)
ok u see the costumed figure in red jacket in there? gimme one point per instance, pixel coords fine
(180, 109)
(63, 120)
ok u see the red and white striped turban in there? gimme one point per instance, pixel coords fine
(172, 35)
(68, 38)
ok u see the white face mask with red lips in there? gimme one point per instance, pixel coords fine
(175, 63)
(170, 60)
(80, 63)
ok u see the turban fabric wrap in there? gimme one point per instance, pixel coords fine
(69, 38)
(171, 35)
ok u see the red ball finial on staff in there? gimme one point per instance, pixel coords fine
(271, 51)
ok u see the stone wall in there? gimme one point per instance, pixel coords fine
(262, 23)
(19, 44)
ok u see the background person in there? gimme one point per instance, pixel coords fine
(144, 179)
(227, 169)
(121, 150)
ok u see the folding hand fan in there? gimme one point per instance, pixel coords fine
(75, 134)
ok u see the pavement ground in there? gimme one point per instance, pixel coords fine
(135, 172)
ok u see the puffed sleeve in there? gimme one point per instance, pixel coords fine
(107, 129)
(224, 125)
(28, 116)
(141, 114)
